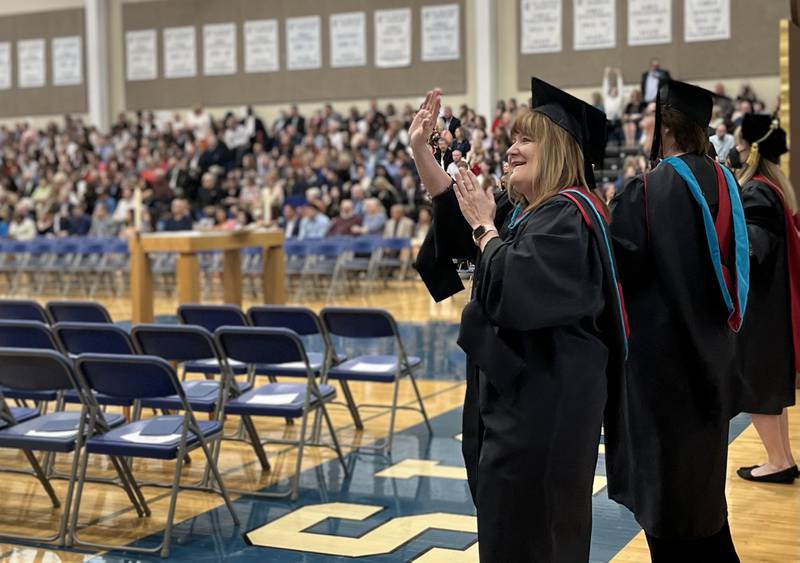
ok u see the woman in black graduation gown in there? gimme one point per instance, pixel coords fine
(544, 332)
(767, 337)
(681, 246)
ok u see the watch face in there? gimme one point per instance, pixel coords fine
(478, 232)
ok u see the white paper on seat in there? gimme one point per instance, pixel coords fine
(139, 439)
(275, 399)
(53, 434)
(372, 368)
(292, 365)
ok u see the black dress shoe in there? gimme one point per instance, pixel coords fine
(785, 477)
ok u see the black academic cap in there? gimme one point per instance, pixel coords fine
(763, 130)
(584, 122)
(694, 102)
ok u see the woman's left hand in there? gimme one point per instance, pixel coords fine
(477, 205)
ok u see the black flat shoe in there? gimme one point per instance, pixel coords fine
(785, 477)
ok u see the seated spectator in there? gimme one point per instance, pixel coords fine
(313, 224)
(180, 218)
(631, 118)
(46, 223)
(722, 100)
(460, 141)
(216, 154)
(723, 142)
(222, 221)
(424, 222)
(22, 226)
(454, 166)
(78, 223)
(374, 218)
(398, 225)
(290, 221)
(210, 193)
(103, 225)
(347, 219)
(443, 152)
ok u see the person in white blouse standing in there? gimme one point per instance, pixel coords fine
(613, 103)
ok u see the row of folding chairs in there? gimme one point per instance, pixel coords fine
(61, 264)
(332, 265)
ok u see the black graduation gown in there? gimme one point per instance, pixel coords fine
(768, 375)
(681, 371)
(539, 339)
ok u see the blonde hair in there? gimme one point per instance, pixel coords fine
(760, 166)
(560, 158)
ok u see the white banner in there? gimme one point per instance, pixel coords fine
(595, 25)
(540, 26)
(440, 33)
(392, 38)
(304, 43)
(649, 22)
(140, 55)
(180, 55)
(348, 39)
(5, 65)
(261, 46)
(219, 49)
(30, 63)
(706, 20)
(67, 61)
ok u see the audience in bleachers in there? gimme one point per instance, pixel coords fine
(343, 172)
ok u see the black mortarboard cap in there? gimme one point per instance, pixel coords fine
(694, 102)
(584, 122)
(761, 128)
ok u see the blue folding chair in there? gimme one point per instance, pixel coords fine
(394, 254)
(94, 338)
(13, 254)
(28, 334)
(59, 432)
(211, 317)
(168, 437)
(269, 346)
(78, 312)
(363, 323)
(183, 344)
(307, 325)
(23, 310)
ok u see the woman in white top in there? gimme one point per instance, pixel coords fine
(613, 103)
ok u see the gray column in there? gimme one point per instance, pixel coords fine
(97, 86)
(486, 56)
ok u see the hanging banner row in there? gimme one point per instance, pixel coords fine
(303, 43)
(594, 23)
(67, 62)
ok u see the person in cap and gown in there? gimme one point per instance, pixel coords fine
(544, 332)
(681, 247)
(770, 337)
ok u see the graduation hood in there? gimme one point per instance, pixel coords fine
(694, 102)
(762, 130)
(585, 123)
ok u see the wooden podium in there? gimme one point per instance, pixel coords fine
(187, 244)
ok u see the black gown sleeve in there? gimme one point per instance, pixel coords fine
(550, 274)
(450, 238)
(766, 223)
(629, 231)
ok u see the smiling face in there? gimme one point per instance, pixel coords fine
(523, 161)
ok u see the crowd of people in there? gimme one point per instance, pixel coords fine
(318, 175)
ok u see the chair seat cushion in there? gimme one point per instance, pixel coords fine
(370, 368)
(21, 414)
(157, 438)
(277, 399)
(71, 396)
(28, 395)
(212, 366)
(54, 432)
(202, 395)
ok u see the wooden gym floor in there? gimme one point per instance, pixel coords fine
(414, 506)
